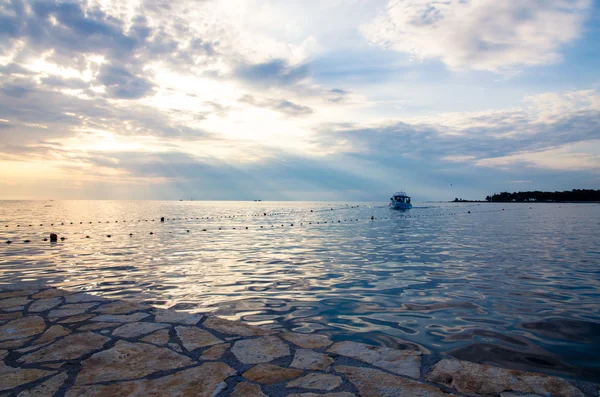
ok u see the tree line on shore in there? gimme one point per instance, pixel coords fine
(572, 195)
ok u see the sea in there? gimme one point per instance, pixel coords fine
(509, 284)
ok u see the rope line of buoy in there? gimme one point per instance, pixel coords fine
(67, 223)
(264, 214)
(54, 237)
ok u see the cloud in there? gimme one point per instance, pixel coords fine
(123, 84)
(280, 105)
(568, 157)
(481, 35)
(273, 73)
(509, 138)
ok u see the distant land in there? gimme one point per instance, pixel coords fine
(575, 195)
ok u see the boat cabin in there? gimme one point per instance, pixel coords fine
(400, 197)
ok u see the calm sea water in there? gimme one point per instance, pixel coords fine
(512, 284)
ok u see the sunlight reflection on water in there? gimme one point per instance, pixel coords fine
(519, 287)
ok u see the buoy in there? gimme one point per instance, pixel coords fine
(26, 241)
(53, 238)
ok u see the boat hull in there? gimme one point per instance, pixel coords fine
(400, 206)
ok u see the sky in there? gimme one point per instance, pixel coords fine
(345, 100)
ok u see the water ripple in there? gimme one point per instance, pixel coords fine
(518, 287)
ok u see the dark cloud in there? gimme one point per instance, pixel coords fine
(274, 73)
(280, 105)
(71, 83)
(492, 135)
(71, 31)
(123, 84)
(17, 89)
(336, 95)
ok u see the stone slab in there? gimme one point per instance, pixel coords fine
(173, 317)
(14, 343)
(46, 389)
(51, 293)
(55, 331)
(375, 383)
(97, 326)
(60, 313)
(120, 318)
(206, 380)
(14, 302)
(267, 374)
(16, 293)
(472, 378)
(245, 389)
(194, 338)
(133, 330)
(401, 362)
(161, 337)
(317, 381)
(215, 352)
(260, 350)
(70, 347)
(84, 297)
(129, 361)
(42, 305)
(22, 328)
(12, 377)
(76, 319)
(309, 359)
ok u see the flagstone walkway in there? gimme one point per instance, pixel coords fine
(61, 343)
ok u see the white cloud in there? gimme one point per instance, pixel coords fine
(579, 156)
(490, 35)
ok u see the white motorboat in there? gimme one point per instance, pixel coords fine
(400, 201)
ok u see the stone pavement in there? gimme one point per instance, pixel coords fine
(61, 343)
